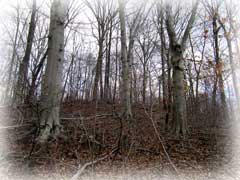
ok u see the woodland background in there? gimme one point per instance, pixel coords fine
(94, 87)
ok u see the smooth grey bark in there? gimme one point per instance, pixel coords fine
(52, 79)
(177, 51)
(23, 68)
(127, 111)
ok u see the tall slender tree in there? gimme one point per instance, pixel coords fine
(52, 80)
(23, 68)
(127, 111)
(103, 12)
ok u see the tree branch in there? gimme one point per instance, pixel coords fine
(189, 26)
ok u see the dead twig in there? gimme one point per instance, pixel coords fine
(82, 168)
(160, 140)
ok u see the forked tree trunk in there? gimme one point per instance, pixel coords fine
(177, 61)
(52, 80)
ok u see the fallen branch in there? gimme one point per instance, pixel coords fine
(82, 168)
(147, 150)
(13, 127)
(63, 118)
(86, 118)
(90, 138)
(160, 140)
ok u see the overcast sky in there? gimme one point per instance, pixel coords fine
(6, 10)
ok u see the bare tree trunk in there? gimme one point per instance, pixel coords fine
(134, 84)
(107, 67)
(218, 72)
(130, 58)
(159, 91)
(163, 59)
(52, 80)
(169, 97)
(127, 111)
(98, 71)
(116, 69)
(179, 101)
(150, 86)
(144, 82)
(217, 59)
(23, 68)
(177, 50)
(30, 95)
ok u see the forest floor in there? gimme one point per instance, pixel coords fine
(92, 131)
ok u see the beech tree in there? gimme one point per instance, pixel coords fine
(177, 50)
(52, 80)
(125, 94)
(154, 66)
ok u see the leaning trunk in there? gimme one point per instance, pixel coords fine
(23, 68)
